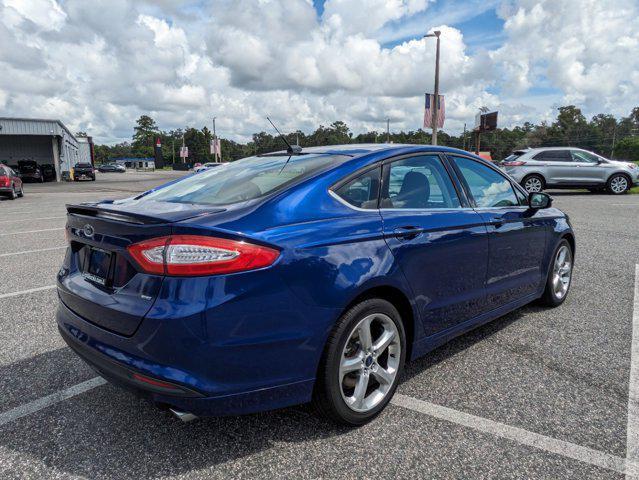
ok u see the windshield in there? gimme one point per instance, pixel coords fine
(244, 180)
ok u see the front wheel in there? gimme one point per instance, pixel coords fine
(361, 364)
(559, 276)
(618, 184)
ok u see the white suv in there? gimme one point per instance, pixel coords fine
(567, 167)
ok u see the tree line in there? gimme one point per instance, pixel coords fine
(603, 134)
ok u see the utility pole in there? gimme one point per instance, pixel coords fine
(614, 137)
(464, 138)
(435, 108)
(214, 140)
(388, 130)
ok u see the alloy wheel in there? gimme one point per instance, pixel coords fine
(619, 184)
(369, 362)
(533, 185)
(562, 271)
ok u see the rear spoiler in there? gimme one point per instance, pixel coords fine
(97, 212)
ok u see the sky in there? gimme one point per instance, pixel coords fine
(98, 65)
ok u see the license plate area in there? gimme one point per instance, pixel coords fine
(98, 266)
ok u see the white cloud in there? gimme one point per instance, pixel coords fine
(99, 65)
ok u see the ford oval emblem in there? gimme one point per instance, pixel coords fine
(88, 231)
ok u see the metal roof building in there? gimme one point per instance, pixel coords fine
(47, 142)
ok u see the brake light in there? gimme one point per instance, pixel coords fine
(193, 255)
(514, 163)
(4, 181)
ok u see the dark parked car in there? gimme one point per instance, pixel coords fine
(294, 277)
(111, 167)
(10, 183)
(30, 170)
(48, 172)
(83, 171)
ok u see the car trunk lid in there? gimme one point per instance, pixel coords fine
(99, 281)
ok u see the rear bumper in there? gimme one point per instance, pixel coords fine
(222, 361)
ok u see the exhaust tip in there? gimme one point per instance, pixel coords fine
(186, 417)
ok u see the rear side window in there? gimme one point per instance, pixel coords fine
(553, 156)
(488, 187)
(363, 191)
(418, 182)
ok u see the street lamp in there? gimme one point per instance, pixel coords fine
(436, 34)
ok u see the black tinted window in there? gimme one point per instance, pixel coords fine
(363, 191)
(553, 156)
(488, 187)
(418, 182)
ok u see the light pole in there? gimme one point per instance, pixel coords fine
(436, 34)
(214, 141)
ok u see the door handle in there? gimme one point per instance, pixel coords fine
(407, 233)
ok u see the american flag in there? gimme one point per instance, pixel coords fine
(216, 147)
(428, 112)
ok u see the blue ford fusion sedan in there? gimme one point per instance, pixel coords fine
(303, 276)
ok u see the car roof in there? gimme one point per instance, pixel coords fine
(359, 149)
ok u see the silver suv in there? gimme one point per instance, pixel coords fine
(567, 167)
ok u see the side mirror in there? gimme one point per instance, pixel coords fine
(538, 201)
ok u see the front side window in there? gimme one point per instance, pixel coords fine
(418, 182)
(488, 187)
(363, 191)
(244, 180)
(584, 157)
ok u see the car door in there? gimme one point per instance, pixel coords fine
(588, 167)
(558, 166)
(516, 233)
(439, 242)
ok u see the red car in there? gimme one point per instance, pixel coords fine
(10, 183)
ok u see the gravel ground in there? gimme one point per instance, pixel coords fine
(561, 373)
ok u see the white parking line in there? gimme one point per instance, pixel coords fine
(44, 402)
(32, 219)
(24, 292)
(31, 231)
(632, 432)
(519, 435)
(31, 251)
(27, 212)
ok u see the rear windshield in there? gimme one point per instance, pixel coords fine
(513, 156)
(83, 165)
(244, 180)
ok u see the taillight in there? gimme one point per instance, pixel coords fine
(193, 255)
(514, 163)
(4, 181)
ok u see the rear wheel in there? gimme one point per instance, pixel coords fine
(559, 276)
(533, 183)
(13, 195)
(362, 361)
(21, 192)
(618, 184)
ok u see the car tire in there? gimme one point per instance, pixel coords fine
(21, 193)
(533, 183)
(13, 195)
(559, 276)
(356, 397)
(618, 184)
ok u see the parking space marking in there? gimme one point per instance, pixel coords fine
(519, 435)
(24, 292)
(31, 231)
(32, 219)
(27, 212)
(44, 402)
(632, 433)
(32, 251)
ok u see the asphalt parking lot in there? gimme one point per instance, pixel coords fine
(536, 394)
